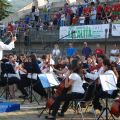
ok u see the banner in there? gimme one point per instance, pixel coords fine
(115, 29)
(84, 32)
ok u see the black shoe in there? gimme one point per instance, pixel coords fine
(60, 114)
(50, 117)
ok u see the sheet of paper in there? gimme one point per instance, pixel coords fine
(52, 80)
(108, 82)
(44, 80)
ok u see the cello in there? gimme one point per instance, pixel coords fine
(60, 90)
(115, 109)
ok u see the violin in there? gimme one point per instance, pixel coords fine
(115, 109)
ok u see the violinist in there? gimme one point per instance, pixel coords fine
(105, 69)
(73, 81)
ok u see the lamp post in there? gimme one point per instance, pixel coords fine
(106, 31)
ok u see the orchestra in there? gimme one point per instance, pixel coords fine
(74, 74)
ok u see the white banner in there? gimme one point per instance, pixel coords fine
(115, 29)
(84, 32)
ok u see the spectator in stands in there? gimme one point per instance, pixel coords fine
(26, 38)
(93, 16)
(87, 16)
(109, 16)
(71, 50)
(98, 50)
(10, 27)
(67, 19)
(74, 9)
(80, 10)
(27, 19)
(62, 20)
(2, 29)
(99, 12)
(37, 15)
(86, 51)
(75, 20)
(114, 53)
(82, 20)
(106, 8)
(48, 6)
(117, 20)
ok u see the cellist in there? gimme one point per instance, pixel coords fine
(74, 81)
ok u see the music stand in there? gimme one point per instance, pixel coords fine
(28, 66)
(6, 70)
(48, 81)
(108, 83)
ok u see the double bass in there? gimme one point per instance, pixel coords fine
(115, 109)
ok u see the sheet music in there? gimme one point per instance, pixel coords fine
(44, 80)
(48, 80)
(52, 80)
(32, 75)
(108, 82)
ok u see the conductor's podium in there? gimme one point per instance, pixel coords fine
(9, 107)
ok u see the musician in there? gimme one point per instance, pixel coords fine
(99, 92)
(3, 46)
(74, 81)
(11, 74)
(106, 68)
(27, 81)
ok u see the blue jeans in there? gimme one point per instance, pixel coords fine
(62, 23)
(93, 21)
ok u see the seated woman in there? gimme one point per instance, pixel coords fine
(74, 81)
(33, 67)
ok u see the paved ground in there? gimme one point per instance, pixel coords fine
(31, 111)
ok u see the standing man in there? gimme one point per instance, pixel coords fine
(98, 50)
(56, 53)
(86, 51)
(71, 50)
(3, 46)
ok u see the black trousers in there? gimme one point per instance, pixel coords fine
(10, 81)
(66, 98)
(99, 94)
(36, 85)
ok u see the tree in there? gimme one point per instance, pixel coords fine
(4, 9)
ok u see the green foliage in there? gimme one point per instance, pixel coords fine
(4, 9)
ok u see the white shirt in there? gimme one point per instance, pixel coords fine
(37, 12)
(56, 52)
(93, 12)
(2, 27)
(82, 19)
(111, 72)
(5, 47)
(63, 17)
(94, 76)
(77, 84)
(74, 9)
(114, 51)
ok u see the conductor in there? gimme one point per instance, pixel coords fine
(4, 46)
